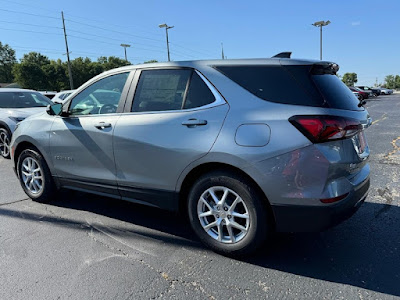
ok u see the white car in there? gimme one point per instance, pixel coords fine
(61, 96)
(385, 91)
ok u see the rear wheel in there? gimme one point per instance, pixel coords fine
(227, 213)
(5, 139)
(34, 176)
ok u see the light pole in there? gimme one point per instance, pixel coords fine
(166, 33)
(125, 46)
(320, 24)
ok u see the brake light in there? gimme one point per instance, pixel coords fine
(320, 129)
(335, 199)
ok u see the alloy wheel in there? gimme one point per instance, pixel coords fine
(223, 215)
(32, 175)
(4, 144)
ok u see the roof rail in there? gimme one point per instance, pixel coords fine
(283, 55)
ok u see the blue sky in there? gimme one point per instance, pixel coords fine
(362, 38)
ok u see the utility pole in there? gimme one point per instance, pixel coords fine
(320, 24)
(71, 82)
(166, 33)
(125, 46)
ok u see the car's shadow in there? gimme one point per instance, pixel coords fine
(363, 251)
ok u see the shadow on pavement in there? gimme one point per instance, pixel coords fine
(363, 252)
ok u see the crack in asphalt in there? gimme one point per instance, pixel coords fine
(387, 195)
(172, 281)
(16, 201)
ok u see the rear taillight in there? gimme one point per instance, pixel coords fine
(320, 129)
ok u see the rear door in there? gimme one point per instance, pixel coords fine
(172, 119)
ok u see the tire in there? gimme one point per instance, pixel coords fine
(249, 213)
(32, 164)
(5, 139)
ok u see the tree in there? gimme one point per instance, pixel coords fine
(56, 74)
(390, 82)
(350, 79)
(112, 62)
(7, 61)
(151, 61)
(397, 82)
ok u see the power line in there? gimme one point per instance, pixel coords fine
(44, 26)
(114, 31)
(31, 31)
(29, 14)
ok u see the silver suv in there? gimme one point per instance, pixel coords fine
(244, 147)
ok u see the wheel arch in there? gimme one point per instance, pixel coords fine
(208, 167)
(5, 126)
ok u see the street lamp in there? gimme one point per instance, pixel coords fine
(125, 46)
(320, 24)
(166, 32)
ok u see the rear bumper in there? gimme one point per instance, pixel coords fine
(304, 218)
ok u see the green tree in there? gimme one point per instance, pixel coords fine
(151, 61)
(390, 82)
(349, 79)
(7, 61)
(397, 82)
(112, 62)
(56, 74)
(30, 72)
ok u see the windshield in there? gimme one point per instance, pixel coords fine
(22, 100)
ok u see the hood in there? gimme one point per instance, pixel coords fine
(24, 112)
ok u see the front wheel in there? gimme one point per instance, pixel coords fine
(34, 176)
(5, 139)
(227, 213)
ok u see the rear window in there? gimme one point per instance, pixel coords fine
(292, 85)
(336, 93)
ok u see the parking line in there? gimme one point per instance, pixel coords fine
(384, 117)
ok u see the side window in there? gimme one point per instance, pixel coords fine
(161, 90)
(198, 93)
(102, 97)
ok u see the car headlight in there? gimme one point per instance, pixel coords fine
(17, 119)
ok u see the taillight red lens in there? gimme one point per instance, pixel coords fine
(319, 129)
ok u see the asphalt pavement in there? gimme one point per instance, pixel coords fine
(88, 247)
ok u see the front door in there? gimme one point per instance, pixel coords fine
(81, 142)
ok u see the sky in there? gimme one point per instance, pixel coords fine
(362, 37)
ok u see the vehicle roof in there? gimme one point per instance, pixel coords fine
(219, 62)
(16, 90)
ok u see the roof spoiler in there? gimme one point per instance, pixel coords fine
(283, 55)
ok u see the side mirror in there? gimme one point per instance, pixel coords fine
(54, 109)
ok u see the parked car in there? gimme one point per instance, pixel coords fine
(375, 91)
(358, 95)
(364, 94)
(15, 106)
(61, 96)
(48, 94)
(244, 147)
(385, 91)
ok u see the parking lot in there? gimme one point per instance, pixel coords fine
(86, 247)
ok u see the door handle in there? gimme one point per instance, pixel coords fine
(194, 122)
(102, 125)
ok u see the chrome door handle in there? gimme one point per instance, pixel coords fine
(102, 125)
(194, 122)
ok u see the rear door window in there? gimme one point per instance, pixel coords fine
(170, 89)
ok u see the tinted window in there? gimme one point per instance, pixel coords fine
(198, 93)
(102, 97)
(294, 85)
(160, 90)
(336, 93)
(23, 100)
(272, 83)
